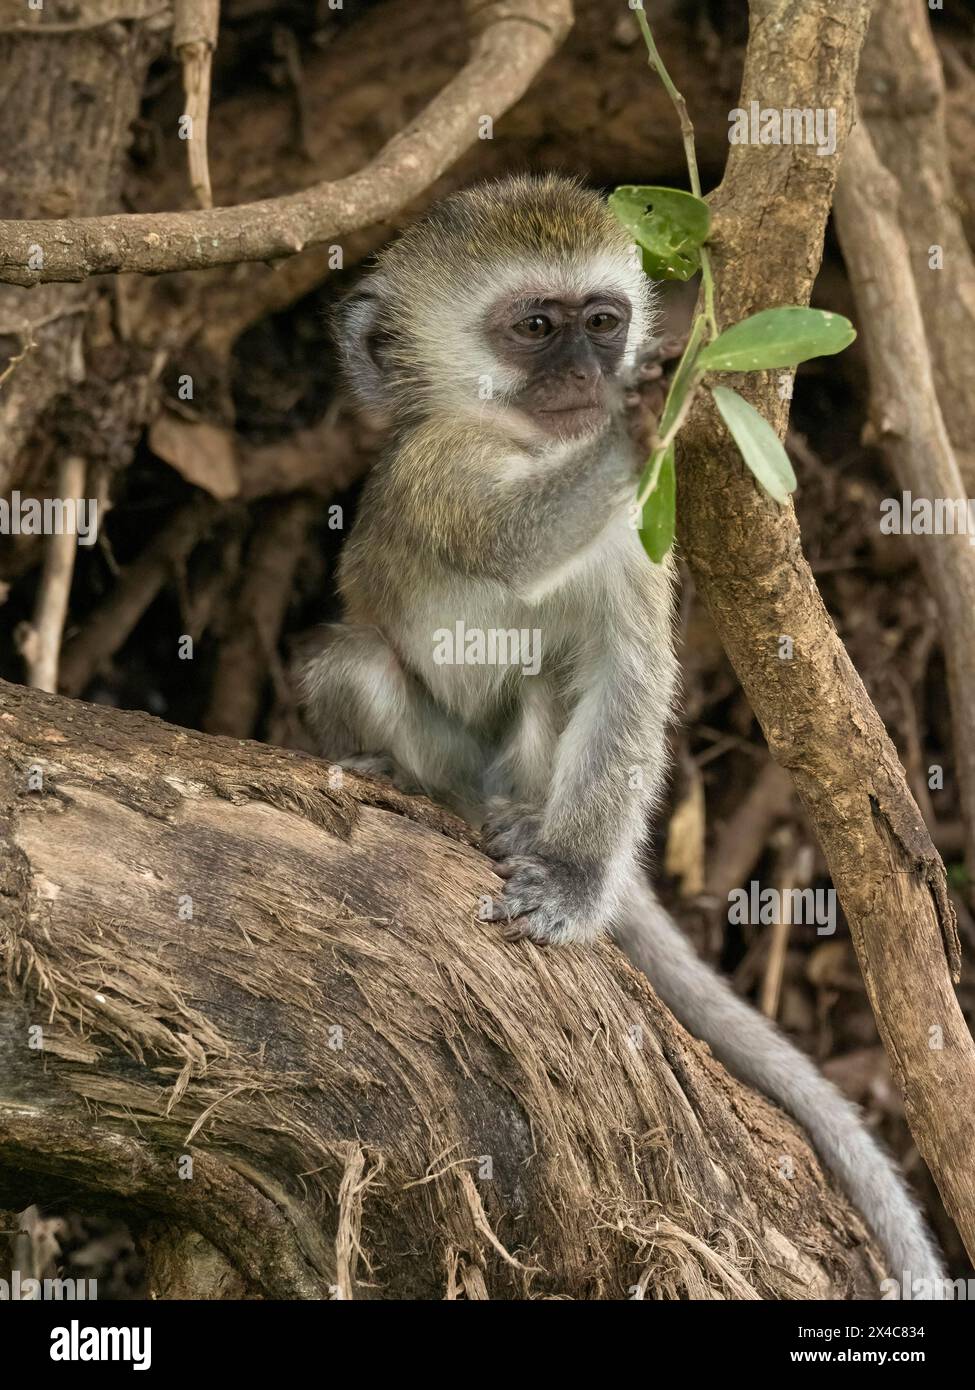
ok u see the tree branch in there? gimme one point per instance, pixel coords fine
(902, 96)
(510, 44)
(195, 24)
(249, 1000)
(908, 424)
(41, 643)
(770, 215)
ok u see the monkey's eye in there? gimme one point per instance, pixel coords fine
(602, 322)
(535, 327)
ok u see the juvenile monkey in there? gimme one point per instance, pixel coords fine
(493, 339)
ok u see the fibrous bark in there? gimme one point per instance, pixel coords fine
(225, 953)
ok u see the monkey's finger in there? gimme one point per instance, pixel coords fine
(498, 911)
(509, 864)
(505, 910)
(518, 933)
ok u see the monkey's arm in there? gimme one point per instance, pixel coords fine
(545, 519)
(508, 516)
(609, 768)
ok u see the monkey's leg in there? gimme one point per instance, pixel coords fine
(754, 1049)
(371, 714)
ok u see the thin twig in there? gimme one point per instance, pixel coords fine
(110, 624)
(42, 646)
(795, 871)
(28, 345)
(195, 24)
(690, 154)
(705, 325)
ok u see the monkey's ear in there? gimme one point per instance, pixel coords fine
(361, 336)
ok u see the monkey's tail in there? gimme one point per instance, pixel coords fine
(753, 1048)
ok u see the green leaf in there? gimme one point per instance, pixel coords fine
(669, 224)
(759, 444)
(657, 528)
(777, 338)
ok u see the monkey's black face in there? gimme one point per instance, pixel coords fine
(568, 353)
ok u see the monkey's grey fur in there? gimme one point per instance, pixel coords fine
(492, 339)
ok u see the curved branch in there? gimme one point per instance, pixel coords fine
(511, 43)
(902, 96)
(746, 555)
(255, 1003)
(908, 423)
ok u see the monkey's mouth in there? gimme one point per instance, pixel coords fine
(573, 419)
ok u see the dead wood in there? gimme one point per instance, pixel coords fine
(251, 1000)
(71, 92)
(902, 97)
(109, 626)
(249, 647)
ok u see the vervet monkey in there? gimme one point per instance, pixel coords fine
(493, 338)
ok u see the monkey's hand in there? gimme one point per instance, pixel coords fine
(549, 902)
(510, 828)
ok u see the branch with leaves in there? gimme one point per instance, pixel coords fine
(745, 555)
(671, 228)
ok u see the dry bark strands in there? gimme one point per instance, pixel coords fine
(495, 1120)
(746, 556)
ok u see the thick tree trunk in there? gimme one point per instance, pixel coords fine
(746, 557)
(250, 999)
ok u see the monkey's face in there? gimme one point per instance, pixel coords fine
(514, 304)
(566, 353)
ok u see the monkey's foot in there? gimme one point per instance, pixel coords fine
(547, 901)
(511, 828)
